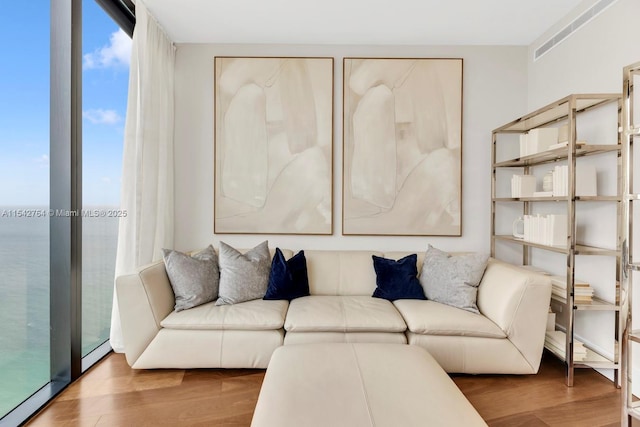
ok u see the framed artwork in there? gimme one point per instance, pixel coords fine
(273, 145)
(402, 135)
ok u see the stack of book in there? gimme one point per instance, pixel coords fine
(523, 185)
(546, 229)
(556, 342)
(586, 181)
(537, 140)
(582, 291)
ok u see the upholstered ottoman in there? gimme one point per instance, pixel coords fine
(359, 384)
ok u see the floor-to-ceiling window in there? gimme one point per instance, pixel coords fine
(62, 115)
(105, 72)
(24, 201)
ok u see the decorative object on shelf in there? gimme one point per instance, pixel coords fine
(402, 146)
(273, 145)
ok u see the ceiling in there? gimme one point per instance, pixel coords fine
(397, 22)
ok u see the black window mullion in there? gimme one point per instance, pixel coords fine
(65, 190)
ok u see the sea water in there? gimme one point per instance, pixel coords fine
(24, 295)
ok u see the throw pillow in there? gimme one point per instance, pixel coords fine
(397, 279)
(288, 278)
(243, 277)
(453, 279)
(194, 279)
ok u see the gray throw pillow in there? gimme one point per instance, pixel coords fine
(194, 279)
(453, 279)
(243, 277)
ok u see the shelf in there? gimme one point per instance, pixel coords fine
(593, 359)
(559, 199)
(635, 336)
(579, 249)
(557, 111)
(555, 155)
(634, 410)
(596, 304)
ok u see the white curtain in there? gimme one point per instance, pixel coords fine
(147, 171)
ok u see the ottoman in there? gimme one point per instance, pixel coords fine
(359, 384)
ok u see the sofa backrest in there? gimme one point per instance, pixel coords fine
(341, 272)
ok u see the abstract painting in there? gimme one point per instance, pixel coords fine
(402, 135)
(273, 145)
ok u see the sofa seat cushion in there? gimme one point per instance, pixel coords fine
(434, 318)
(328, 313)
(250, 315)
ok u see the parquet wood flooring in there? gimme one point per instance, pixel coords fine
(112, 394)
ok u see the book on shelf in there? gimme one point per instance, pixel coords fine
(537, 140)
(556, 341)
(586, 180)
(550, 230)
(535, 269)
(561, 282)
(582, 291)
(523, 185)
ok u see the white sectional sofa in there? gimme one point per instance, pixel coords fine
(506, 337)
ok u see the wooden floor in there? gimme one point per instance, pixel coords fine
(112, 394)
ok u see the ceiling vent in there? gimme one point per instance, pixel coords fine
(573, 26)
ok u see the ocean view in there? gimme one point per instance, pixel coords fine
(24, 297)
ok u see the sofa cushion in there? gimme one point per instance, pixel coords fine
(251, 315)
(343, 314)
(288, 278)
(453, 279)
(433, 318)
(341, 272)
(194, 279)
(243, 277)
(397, 279)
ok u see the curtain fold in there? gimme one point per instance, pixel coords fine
(147, 170)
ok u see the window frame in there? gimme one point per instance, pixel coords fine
(65, 240)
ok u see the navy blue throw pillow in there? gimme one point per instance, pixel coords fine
(288, 278)
(397, 279)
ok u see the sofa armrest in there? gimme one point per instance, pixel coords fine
(517, 300)
(145, 298)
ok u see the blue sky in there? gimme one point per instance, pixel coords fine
(24, 104)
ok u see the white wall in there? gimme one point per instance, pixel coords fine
(494, 92)
(590, 60)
